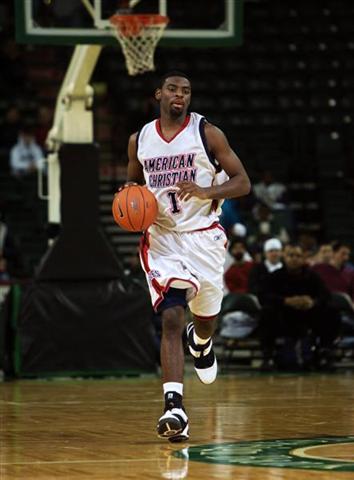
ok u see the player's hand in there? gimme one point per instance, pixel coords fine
(191, 189)
(126, 184)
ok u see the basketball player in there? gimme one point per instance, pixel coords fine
(189, 166)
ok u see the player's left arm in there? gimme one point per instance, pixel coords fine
(238, 184)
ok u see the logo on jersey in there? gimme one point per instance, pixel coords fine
(154, 274)
(167, 171)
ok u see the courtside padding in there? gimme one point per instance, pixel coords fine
(80, 315)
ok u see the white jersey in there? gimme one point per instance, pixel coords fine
(184, 157)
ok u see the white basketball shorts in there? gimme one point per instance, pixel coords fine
(191, 260)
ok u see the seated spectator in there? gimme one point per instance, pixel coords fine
(308, 243)
(236, 276)
(334, 273)
(324, 255)
(44, 124)
(270, 192)
(238, 231)
(10, 128)
(296, 302)
(260, 272)
(26, 156)
(264, 226)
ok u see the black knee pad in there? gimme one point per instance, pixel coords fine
(172, 298)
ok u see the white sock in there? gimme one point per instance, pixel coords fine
(173, 387)
(198, 340)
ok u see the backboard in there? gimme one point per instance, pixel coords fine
(194, 23)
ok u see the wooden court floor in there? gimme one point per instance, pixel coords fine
(242, 427)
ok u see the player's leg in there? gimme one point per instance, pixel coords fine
(207, 257)
(199, 333)
(204, 327)
(172, 356)
(161, 253)
(173, 424)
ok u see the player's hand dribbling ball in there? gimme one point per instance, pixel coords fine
(134, 208)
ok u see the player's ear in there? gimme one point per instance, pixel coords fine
(158, 94)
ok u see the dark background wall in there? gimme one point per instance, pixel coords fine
(284, 98)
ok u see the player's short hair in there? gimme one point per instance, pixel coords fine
(172, 73)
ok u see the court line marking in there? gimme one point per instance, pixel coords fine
(301, 452)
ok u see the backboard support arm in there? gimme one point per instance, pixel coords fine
(73, 118)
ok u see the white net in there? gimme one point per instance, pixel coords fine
(138, 36)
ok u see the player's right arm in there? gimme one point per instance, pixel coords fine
(135, 169)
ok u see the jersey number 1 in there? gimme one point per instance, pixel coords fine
(175, 208)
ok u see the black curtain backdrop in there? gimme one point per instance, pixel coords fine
(86, 327)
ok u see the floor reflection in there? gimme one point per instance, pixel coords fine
(174, 465)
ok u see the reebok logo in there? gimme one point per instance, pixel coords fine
(154, 274)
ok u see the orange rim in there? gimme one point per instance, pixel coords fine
(145, 19)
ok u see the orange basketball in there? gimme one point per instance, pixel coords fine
(134, 208)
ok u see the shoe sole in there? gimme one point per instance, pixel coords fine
(168, 427)
(183, 437)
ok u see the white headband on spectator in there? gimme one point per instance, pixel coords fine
(272, 244)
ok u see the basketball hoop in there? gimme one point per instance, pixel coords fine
(138, 36)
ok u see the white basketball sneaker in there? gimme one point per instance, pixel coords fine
(173, 425)
(205, 363)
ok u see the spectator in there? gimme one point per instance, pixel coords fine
(26, 156)
(271, 193)
(324, 254)
(236, 276)
(259, 275)
(10, 128)
(334, 273)
(296, 301)
(264, 226)
(44, 124)
(238, 231)
(257, 253)
(308, 243)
